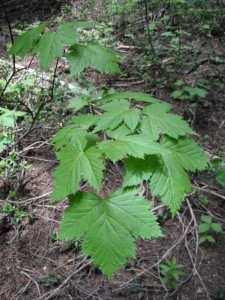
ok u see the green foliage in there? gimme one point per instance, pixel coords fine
(189, 93)
(51, 280)
(161, 160)
(51, 44)
(7, 123)
(14, 214)
(11, 171)
(219, 168)
(101, 58)
(108, 226)
(206, 228)
(157, 119)
(171, 272)
(26, 41)
(150, 140)
(79, 158)
(220, 175)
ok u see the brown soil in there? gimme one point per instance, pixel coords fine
(35, 265)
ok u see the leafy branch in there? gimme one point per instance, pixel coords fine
(152, 142)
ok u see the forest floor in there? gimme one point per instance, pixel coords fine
(35, 265)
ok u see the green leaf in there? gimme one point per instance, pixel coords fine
(164, 269)
(134, 145)
(8, 117)
(206, 218)
(170, 181)
(191, 156)
(26, 41)
(210, 239)
(77, 102)
(85, 121)
(67, 134)
(49, 47)
(138, 170)
(220, 175)
(51, 44)
(116, 113)
(108, 227)
(4, 140)
(176, 94)
(119, 131)
(203, 227)
(216, 227)
(202, 239)
(101, 58)
(158, 120)
(74, 130)
(193, 91)
(78, 160)
(67, 34)
(136, 96)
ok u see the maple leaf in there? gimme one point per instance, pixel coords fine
(134, 145)
(51, 44)
(71, 132)
(79, 159)
(158, 120)
(138, 170)
(121, 130)
(66, 33)
(170, 181)
(116, 113)
(108, 226)
(26, 41)
(166, 173)
(92, 54)
(191, 156)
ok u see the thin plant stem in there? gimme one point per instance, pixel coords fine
(148, 30)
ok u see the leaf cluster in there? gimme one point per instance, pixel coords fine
(7, 122)
(150, 140)
(152, 143)
(206, 228)
(171, 272)
(50, 45)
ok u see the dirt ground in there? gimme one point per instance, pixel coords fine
(34, 264)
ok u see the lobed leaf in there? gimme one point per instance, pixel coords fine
(134, 145)
(92, 54)
(191, 156)
(170, 181)
(77, 160)
(108, 227)
(158, 120)
(75, 130)
(26, 41)
(116, 113)
(138, 170)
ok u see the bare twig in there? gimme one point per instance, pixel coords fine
(34, 281)
(209, 192)
(27, 200)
